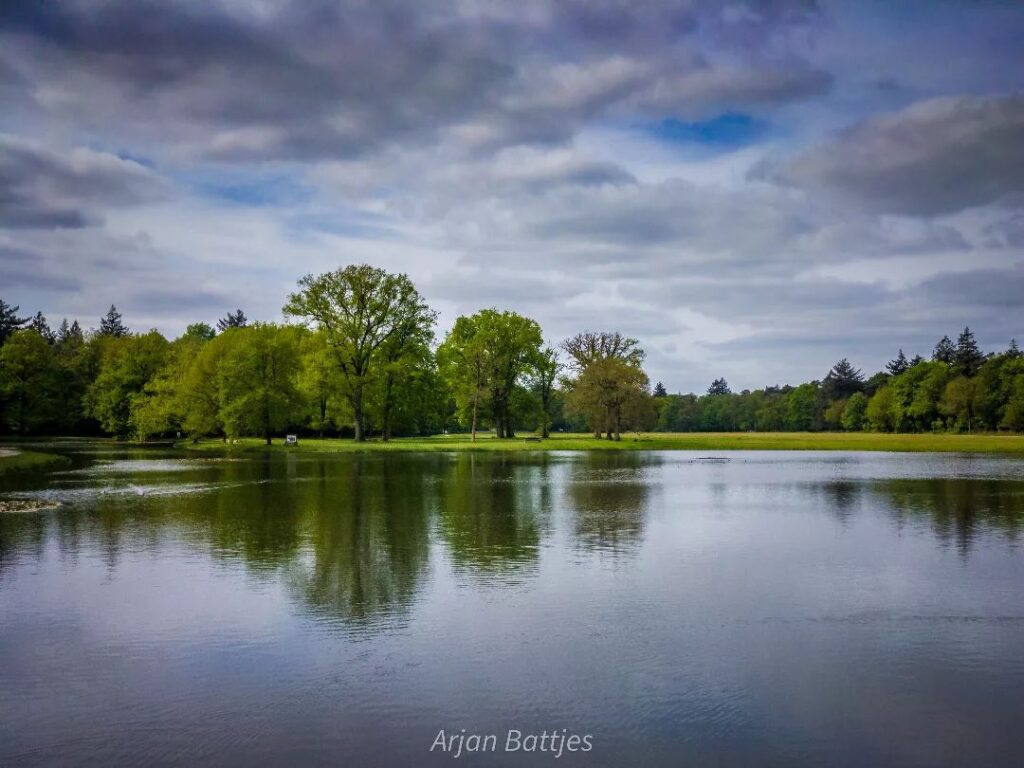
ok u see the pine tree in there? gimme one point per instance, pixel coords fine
(944, 352)
(659, 390)
(63, 331)
(9, 321)
(40, 326)
(899, 365)
(916, 360)
(111, 325)
(234, 319)
(843, 380)
(719, 387)
(1013, 351)
(968, 357)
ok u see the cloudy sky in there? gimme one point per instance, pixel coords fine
(754, 189)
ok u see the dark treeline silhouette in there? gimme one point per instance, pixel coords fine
(362, 360)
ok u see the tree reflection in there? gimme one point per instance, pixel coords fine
(958, 510)
(366, 528)
(488, 509)
(608, 495)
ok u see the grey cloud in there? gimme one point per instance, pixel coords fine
(301, 80)
(705, 90)
(1007, 232)
(185, 298)
(22, 269)
(934, 157)
(999, 289)
(44, 189)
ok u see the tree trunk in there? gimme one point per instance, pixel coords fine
(323, 415)
(357, 414)
(386, 415)
(476, 397)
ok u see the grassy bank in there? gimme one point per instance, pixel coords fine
(15, 460)
(696, 441)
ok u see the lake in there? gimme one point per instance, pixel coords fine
(748, 608)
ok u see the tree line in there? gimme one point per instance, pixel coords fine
(360, 357)
(960, 389)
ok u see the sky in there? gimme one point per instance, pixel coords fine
(752, 189)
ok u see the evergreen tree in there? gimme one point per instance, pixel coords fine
(944, 351)
(899, 365)
(9, 321)
(111, 325)
(1013, 351)
(916, 360)
(236, 319)
(659, 390)
(63, 331)
(40, 326)
(843, 380)
(968, 357)
(719, 387)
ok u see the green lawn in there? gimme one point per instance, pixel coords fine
(696, 441)
(16, 460)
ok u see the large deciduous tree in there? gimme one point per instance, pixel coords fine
(126, 365)
(28, 381)
(484, 358)
(360, 309)
(257, 381)
(590, 346)
(611, 394)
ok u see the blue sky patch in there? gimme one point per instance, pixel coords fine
(252, 190)
(726, 131)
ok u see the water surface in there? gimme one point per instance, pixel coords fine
(761, 608)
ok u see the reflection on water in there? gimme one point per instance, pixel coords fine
(607, 496)
(490, 509)
(958, 511)
(789, 608)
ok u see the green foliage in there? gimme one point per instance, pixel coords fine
(898, 365)
(944, 351)
(28, 381)
(612, 395)
(360, 309)
(111, 324)
(968, 357)
(9, 321)
(855, 412)
(367, 359)
(485, 360)
(804, 408)
(126, 365)
(234, 319)
(842, 381)
(257, 381)
(881, 411)
(200, 332)
(719, 387)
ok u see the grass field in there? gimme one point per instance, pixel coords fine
(19, 461)
(695, 441)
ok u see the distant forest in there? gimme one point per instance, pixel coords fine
(360, 359)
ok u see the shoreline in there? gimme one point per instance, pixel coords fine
(16, 460)
(719, 441)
